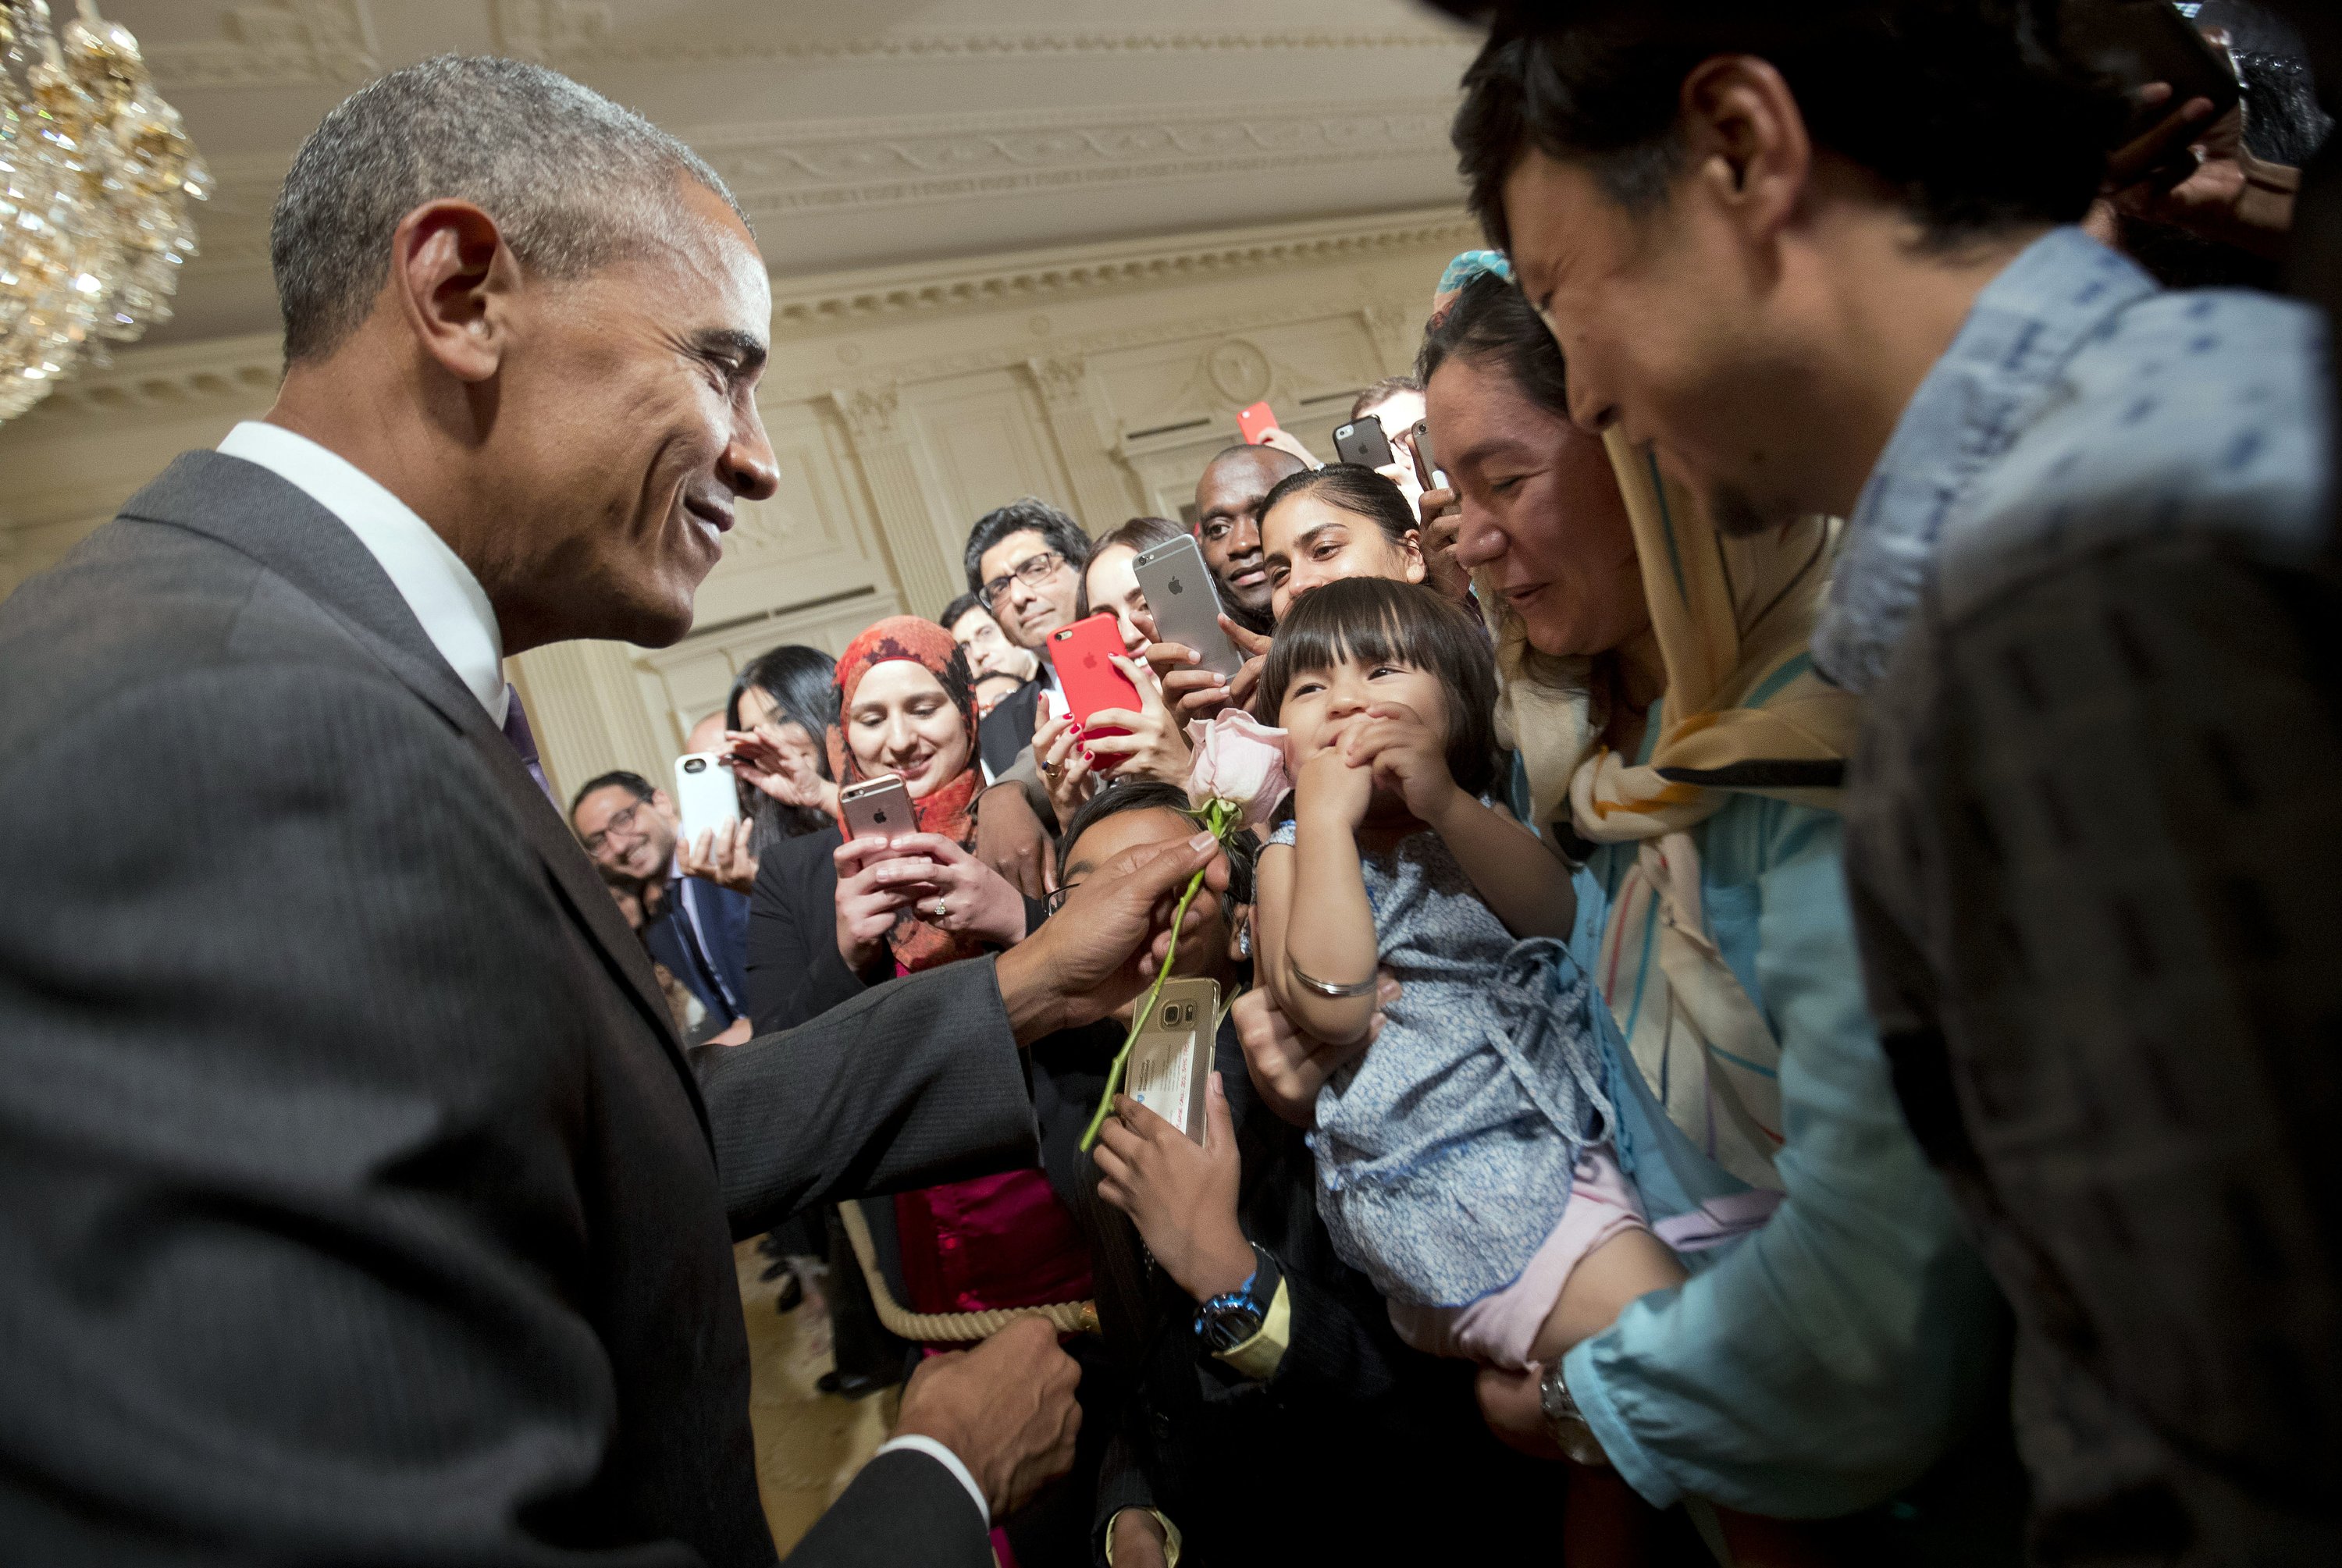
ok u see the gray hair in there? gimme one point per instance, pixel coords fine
(570, 178)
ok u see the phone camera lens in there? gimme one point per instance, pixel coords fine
(694, 766)
(1170, 1014)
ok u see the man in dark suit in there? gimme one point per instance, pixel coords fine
(698, 929)
(357, 1205)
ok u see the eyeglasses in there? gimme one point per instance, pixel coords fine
(1056, 901)
(621, 821)
(1032, 570)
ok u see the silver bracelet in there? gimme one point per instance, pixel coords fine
(1326, 988)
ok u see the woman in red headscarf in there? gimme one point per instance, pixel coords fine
(832, 917)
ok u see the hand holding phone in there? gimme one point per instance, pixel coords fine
(1184, 603)
(704, 793)
(877, 808)
(1256, 423)
(1083, 655)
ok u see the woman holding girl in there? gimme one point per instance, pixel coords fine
(1836, 1333)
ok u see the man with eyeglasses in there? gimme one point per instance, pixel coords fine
(1025, 564)
(631, 830)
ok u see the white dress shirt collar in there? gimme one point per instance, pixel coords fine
(437, 586)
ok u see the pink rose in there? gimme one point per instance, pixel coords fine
(1239, 759)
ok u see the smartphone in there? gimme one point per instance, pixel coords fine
(704, 793)
(1426, 467)
(877, 808)
(1257, 422)
(1186, 604)
(2136, 42)
(1363, 442)
(1170, 1066)
(1083, 655)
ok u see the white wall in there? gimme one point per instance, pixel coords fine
(903, 404)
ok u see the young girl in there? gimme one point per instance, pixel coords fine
(1462, 1162)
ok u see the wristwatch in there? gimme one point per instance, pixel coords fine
(1566, 1422)
(1229, 1319)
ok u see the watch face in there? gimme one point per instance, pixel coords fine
(1226, 1324)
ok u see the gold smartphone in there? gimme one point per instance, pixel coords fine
(1171, 1061)
(877, 808)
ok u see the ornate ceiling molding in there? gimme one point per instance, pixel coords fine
(175, 378)
(277, 43)
(917, 159)
(574, 32)
(171, 379)
(805, 166)
(806, 305)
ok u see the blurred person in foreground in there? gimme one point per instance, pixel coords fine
(1823, 256)
(432, 1255)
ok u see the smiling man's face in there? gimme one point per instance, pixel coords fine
(1667, 320)
(1228, 521)
(632, 432)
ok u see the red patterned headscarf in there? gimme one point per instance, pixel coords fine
(949, 808)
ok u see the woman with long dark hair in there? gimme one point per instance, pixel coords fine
(780, 708)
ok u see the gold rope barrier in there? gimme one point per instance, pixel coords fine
(950, 1327)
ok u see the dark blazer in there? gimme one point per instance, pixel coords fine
(1358, 1450)
(1007, 729)
(711, 956)
(793, 969)
(356, 1201)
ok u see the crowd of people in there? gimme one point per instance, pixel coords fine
(1557, 689)
(1772, 1007)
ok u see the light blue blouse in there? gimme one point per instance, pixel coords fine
(1823, 1363)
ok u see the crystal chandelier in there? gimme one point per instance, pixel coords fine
(95, 174)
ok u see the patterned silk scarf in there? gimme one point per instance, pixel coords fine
(1744, 713)
(948, 809)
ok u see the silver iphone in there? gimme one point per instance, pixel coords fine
(1187, 607)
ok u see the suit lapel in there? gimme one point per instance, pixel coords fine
(249, 509)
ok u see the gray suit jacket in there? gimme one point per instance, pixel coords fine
(356, 1201)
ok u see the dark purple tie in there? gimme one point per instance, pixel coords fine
(517, 732)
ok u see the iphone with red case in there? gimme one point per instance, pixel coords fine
(1083, 655)
(1257, 422)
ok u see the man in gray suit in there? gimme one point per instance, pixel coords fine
(355, 1202)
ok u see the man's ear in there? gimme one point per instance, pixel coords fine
(452, 277)
(1748, 150)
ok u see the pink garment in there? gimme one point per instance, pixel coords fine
(1501, 1328)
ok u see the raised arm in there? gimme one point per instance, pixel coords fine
(1514, 873)
(1314, 914)
(1829, 1358)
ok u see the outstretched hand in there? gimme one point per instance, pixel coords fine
(1102, 945)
